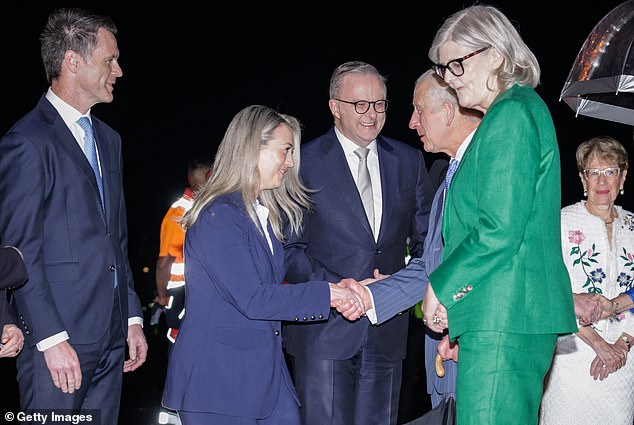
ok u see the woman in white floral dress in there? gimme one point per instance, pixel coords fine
(591, 380)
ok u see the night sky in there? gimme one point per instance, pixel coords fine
(188, 71)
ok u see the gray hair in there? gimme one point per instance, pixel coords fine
(482, 26)
(70, 29)
(442, 92)
(235, 169)
(353, 67)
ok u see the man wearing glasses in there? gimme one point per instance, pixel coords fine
(371, 201)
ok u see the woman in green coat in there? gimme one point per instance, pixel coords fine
(502, 288)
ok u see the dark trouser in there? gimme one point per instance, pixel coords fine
(362, 390)
(102, 376)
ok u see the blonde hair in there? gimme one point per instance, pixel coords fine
(235, 169)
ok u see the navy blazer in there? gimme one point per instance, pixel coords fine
(337, 240)
(228, 356)
(407, 286)
(50, 208)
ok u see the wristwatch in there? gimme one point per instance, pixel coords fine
(626, 340)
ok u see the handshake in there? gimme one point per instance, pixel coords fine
(351, 298)
(590, 308)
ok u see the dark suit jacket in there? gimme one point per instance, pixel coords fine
(408, 286)
(50, 208)
(228, 356)
(12, 275)
(337, 241)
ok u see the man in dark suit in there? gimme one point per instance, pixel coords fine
(62, 203)
(12, 275)
(443, 126)
(349, 373)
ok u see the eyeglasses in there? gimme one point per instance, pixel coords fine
(455, 66)
(363, 106)
(609, 173)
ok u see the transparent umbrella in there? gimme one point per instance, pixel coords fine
(601, 81)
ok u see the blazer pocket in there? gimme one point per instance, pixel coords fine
(239, 338)
(62, 272)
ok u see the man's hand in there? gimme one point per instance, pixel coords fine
(137, 348)
(349, 298)
(63, 364)
(448, 349)
(377, 276)
(12, 340)
(588, 307)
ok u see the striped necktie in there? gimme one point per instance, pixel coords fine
(453, 165)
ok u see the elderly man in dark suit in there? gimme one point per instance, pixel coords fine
(443, 126)
(366, 210)
(62, 203)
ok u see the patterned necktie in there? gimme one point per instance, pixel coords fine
(453, 165)
(364, 184)
(90, 150)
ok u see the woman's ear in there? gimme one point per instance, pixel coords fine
(495, 58)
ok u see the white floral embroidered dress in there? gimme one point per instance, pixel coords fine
(571, 395)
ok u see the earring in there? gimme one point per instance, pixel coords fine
(585, 193)
(622, 191)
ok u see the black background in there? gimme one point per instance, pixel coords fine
(189, 67)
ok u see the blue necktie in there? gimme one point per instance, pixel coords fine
(453, 165)
(90, 150)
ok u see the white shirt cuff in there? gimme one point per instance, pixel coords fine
(371, 313)
(49, 342)
(136, 320)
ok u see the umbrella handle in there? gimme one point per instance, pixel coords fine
(440, 369)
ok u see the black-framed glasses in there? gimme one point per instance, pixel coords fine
(609, 173)
(363, 106)
(455, 66)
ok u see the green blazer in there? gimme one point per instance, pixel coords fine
(502, 267)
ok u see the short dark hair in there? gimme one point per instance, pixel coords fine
(70, 29)
(198, 163)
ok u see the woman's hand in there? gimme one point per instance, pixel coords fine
(433, 312)
(609, 359)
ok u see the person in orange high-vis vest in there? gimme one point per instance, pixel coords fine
(170, 268)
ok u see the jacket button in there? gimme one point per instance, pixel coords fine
(112, 267)
(297, 319)
(378, 252)
(312, 317)
(305, 318)
(28, 332)
(277, 333)
(321, 317)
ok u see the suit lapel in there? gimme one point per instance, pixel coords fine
(105, 160)
(388, 166)
(65, 139)
(276, 258)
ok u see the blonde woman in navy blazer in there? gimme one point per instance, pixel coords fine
(227, 365)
